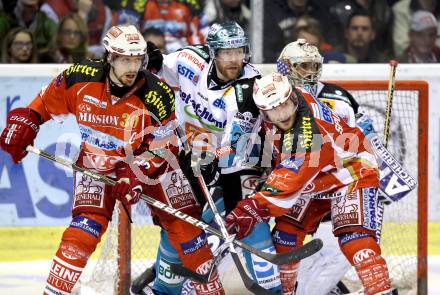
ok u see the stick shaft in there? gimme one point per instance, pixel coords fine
(390, 95)
(155, 203)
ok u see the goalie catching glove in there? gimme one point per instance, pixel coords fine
(245, 216)
(22, 125)
(128, 188)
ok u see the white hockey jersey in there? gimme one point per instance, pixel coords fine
(211, 115)
(339, 100)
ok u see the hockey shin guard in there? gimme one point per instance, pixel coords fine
(167, 282)
(265, 273)
(364, 254)
(78, 242)
(285, 239)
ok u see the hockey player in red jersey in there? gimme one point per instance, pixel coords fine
(123, 112)
(320, 165)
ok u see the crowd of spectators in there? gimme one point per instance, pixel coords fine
(346, 31)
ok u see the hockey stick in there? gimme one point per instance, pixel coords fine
(386, 134)
(282, 258)
(390, 95)
(185, 272)
(249, 283)
(75, 167)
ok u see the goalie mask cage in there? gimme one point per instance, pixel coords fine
(126, 251)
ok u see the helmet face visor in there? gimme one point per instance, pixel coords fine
(231, 54)
(304, 71)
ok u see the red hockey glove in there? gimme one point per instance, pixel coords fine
(128, 189)
(22, 125)
(245, 216)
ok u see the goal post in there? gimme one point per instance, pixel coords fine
(410, 120)
(128, 249)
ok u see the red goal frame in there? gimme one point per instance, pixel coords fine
(124, 237)
(423, 122)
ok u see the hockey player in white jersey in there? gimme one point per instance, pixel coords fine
(321, 274)
(215, 108)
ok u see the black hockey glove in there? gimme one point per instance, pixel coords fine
(155, 58)
(204, 164)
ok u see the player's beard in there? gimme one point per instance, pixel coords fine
(229, 70)
(123, 79)
(285, 125)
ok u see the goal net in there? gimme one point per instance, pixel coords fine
(127, 250)
(404, 232)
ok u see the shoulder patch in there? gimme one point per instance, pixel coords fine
(87, 71)
(158, 97)
(201, 50)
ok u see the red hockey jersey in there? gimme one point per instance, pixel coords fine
(321, 156)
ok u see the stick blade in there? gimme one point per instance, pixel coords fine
(295, 255)
(143, 280)
(185, 272)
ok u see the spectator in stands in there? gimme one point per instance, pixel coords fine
(228, 10)
(27, 15)
(422, 36)
(8, 6)
(127, 12)
(19, 47)
(402, 14)
(57, 9)
(94, 13)
(70, 44)
(176, 20)
(380, 13)
(280, 16)
(360, 36)
(309, 28)
(157, 37)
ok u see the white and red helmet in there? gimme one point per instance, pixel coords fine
(271, 91)
(275, 97)
(125, 40)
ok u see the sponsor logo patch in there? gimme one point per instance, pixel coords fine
(348, 237)
(267, 274)
(95, 101)
(194, 245)
(193, 59)
(103, 120)
(188, 73)
(178, 190)
(88, 192)
(72, 251)
(299, 208)
(154, 99)
(62, 277)
(83, 69)
(87, 225)
(284, 239)
(370, 205)
(345, 210)
(99, 139)
(322, 112)
(201, 113)
(166, 276)
(363, 254)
